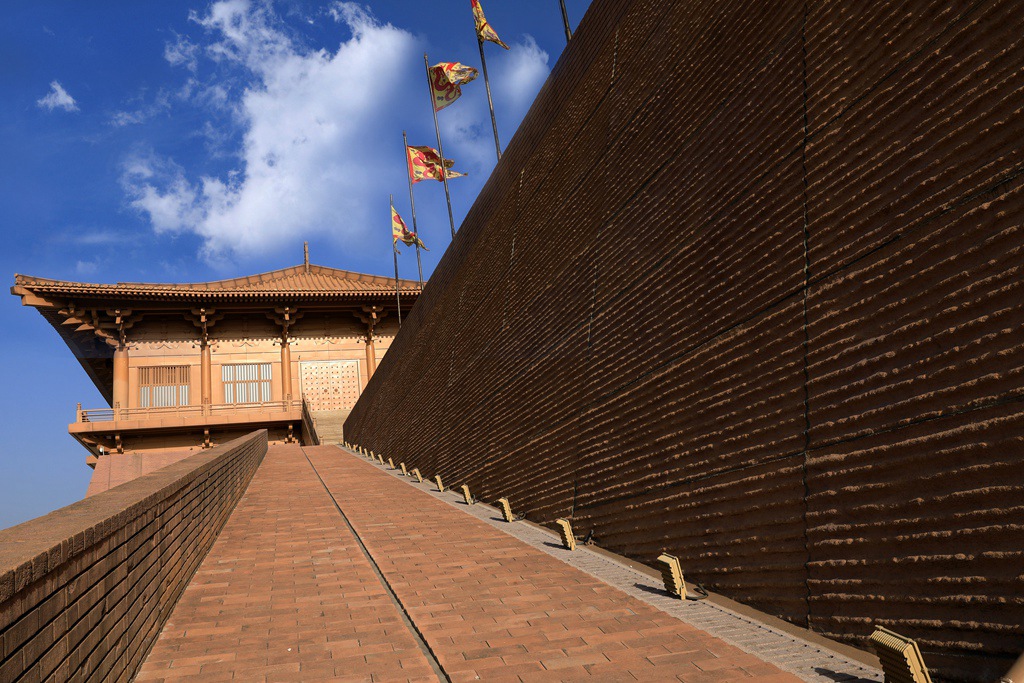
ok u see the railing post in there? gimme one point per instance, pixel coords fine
(78, 412)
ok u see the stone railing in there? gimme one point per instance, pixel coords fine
(108, 415)
(309, 435)
(85, 590)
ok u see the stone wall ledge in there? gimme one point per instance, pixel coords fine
(85, 589)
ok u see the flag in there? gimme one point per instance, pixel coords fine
(400, 232)
(445, 81)
(425, 164)
(448, 163)
(483, 29)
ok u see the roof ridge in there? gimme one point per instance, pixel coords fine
(293, 275)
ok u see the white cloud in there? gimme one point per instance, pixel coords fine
(159, 188)
(309, 157)
(161, 103)
(87, 267)
(57, 98)
(182, 52)
(468, 130)
(96, 238)
(522, 73)
(127, 118)
(248, 34)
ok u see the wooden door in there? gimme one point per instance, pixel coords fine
(330, 384)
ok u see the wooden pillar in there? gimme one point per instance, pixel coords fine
(204, 319)
(371, 356)
(286, 317)
(120, 380)
(286, 370)
(371, 316)
(206, 377)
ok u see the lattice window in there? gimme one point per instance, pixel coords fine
(246, 383)
(163, 386)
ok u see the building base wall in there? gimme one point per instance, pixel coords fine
(117, 468)
(149, 453)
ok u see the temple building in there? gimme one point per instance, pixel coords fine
(188, 366)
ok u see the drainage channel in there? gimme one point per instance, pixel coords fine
(427, 652)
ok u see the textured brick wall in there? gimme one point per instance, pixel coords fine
(747, 286)
(85, 590)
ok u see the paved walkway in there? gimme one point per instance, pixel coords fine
(420, 591)
(808, 659)
(286, 595)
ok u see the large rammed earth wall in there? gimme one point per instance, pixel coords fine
(746, 286)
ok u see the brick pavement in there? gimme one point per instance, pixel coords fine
(288, 593)
(285, 594)
(809, 660)
(493, 608)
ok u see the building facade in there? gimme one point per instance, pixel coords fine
(185, 367)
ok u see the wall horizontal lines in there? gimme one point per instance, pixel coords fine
(746, 287)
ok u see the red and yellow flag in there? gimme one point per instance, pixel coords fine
(400, 232)
(483, 29)
(425, 164)
(446, 80)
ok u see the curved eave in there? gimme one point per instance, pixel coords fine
(139, 294)
(95, 357)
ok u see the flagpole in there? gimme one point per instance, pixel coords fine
(490, 102)
(394, 251)
(412, 202)
(565, 20)
(440, 149)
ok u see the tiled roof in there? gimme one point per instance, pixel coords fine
(316, 281)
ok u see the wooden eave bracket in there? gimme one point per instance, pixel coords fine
(110, 444)
(111, 326)
(285, 317)
(204, 319)
(371, 315)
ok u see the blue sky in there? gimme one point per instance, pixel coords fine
(190, 141)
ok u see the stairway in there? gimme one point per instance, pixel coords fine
(329, 424)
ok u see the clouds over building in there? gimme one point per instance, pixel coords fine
(313, 131)
(310, 119)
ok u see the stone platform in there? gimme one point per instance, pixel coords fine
(331, 568)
